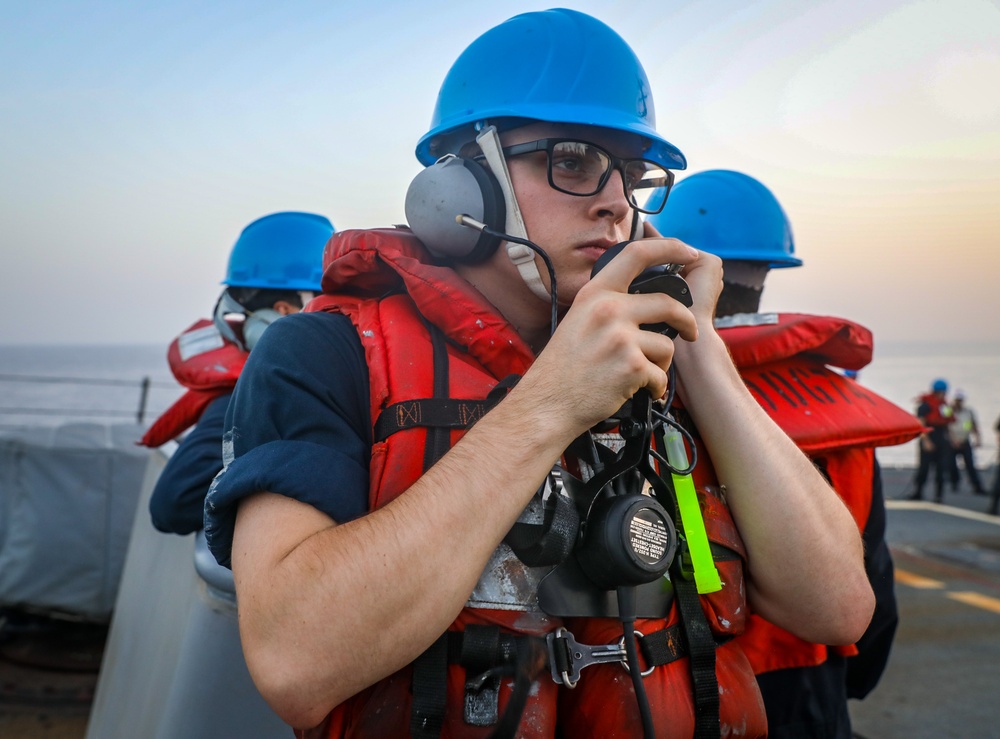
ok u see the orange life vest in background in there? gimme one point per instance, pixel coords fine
(208, 365)
(834, 419)
(397, 333)
(940, 413)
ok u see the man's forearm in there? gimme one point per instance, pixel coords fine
(804, 552)
(327, 610)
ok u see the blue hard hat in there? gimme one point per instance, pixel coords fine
(731, 215)
(560, 66)
(939, 386)
(282, 251)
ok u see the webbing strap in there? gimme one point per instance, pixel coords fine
(430, 690)
(668, 645)
(663, 647)
(551, 541)
(438, 438)
(487, 654)
(452, 413)
(701, 649)
(480, 653)
(427, 412)
(529, 663)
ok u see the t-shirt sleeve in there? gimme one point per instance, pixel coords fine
(298, 425)
(177, 504)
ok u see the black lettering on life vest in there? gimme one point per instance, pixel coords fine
(838, 386)
(791, 388)
(798, 375)
(754, 388)
(796, 385)
(766, 376)
(853, 388)
(860, 392)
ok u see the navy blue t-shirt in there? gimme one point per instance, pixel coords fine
(177, 505)
(298, 425)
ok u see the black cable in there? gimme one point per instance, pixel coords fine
(468, 221)
(664, 461)
(548, 267)
(671, 386)
(664, 419)
(626, 612)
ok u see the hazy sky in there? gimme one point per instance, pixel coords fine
(137, 139)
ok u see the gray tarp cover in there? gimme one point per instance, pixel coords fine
(67, 499)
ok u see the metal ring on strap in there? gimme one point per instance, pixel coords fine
(621, 643)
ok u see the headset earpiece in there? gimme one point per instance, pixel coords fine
(450, 187)
(226, 306)
(255, 323)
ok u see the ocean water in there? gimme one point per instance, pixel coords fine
(899, 372)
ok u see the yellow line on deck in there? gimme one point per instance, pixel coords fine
(978, 600)
(917, 581)
(948, 510)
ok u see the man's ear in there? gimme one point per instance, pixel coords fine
(285, 308)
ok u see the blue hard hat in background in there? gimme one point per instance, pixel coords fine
(560, 66)
(939, 386)
(731, 215)
(282, 251)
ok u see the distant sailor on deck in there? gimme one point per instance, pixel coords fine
(935, 446)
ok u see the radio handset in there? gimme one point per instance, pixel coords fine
(662, 278)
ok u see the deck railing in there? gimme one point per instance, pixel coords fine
(143, 386)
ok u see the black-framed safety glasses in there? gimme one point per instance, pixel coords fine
(580, 168)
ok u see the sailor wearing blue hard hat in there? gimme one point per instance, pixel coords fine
(737, 218)
(274, 269)
(936, 414)
(455, 371)
(558, 88)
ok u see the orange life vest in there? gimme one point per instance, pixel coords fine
(939, 414)
(834, 419)
(208, 365)
(384, 282)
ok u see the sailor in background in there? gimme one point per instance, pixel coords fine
(783, 359)
(964, 436)
(935, 445)
(274, 270)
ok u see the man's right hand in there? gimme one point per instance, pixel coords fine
(599, 358)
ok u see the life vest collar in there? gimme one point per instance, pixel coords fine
(208, 365)
(783, 360)
(774, 336)
(375, 263)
